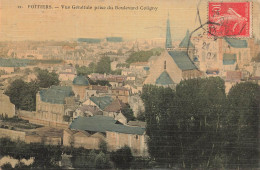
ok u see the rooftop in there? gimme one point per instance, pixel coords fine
(101, 102)
(103, 124)
(182, 60)
(229, 59)
(164, 79)
(236, 43)
(81, 81)
(56, 94)
(185, 43)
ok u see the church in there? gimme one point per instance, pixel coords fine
(173, 65)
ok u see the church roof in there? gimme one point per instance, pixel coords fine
(81, 81)
(56, 94)
(236, 43)
(182, 60)
(185, 43)
(164, 79)
(168, 43)
(229, 59)
(103, 124)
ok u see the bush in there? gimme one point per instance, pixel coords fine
(122, 157)
(101, 161)
(103, 146)
(6, 166)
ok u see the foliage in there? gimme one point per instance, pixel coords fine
(23, 94)
(45, 79)
(122, 157)
(184, 125)
(100, 82)
(102, 161)
(143, 56)
(45, 156)
(104, 65)
(128, 112)
(127, 65)
(103, 146)
(116, 72)
(242, 125)
(6, 166)
(141, 116)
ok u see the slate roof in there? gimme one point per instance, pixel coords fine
(236, 43)
(56, 94)
(81, 81)
(229, 59)
(101, 102)
(103, 124)
(182, 60)
(13, 62)
(185, 43)
(164, 79)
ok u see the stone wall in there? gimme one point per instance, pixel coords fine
(137, 143)
(12, 134)
(6, 107)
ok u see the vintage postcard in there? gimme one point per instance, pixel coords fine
(129, 84)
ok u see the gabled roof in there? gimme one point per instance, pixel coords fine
(164, 79)
(81, 81)
(103, 124)
(185, 43)
(115, 106)
(229, 59)
(56, 94)
(101, 102)
(236, 43)
(182, 60)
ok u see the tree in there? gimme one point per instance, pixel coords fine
(22, 94)
(128, 112)
(122, 157)
(184, 125)
(242, 125)
(104, 65)
(103, 146)
(101, 161)
(45, 79)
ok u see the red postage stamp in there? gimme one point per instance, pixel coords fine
(229, 19)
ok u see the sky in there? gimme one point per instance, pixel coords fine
(18, 24)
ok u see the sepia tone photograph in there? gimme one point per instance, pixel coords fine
(130, 84)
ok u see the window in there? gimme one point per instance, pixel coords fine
(164, 65)
(136, 137)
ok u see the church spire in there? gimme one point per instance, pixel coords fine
(168, 43)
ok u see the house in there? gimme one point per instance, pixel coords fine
(114, 110)
(96, 90)
(80, 83)
(121, 93)
(67, 73)
(54, 103)
(81, 138)
(116, 134)
(87, 110)
(6, 107)
(100, 102)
